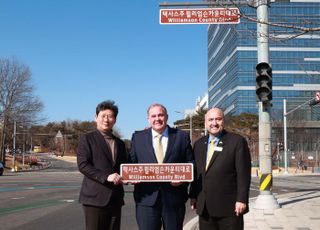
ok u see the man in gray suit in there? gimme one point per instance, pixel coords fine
(100, 154)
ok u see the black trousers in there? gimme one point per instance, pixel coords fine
(207, 222)
(161, 215)
(102, 218)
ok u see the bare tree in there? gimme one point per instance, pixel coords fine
(17, 100)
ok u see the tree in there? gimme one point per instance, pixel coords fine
(246, 124)
(198, 128)
(17, 100)
(69, 134)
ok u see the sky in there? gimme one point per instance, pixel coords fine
(82, 52)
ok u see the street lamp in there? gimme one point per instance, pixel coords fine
(190, 123)
(311, 102)
(14, 146)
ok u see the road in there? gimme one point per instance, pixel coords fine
(48, 199)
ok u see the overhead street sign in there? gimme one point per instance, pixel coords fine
(200, 16)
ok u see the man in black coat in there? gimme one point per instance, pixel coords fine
(221, 187)
(100, 154)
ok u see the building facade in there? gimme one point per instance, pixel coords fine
(295, 61)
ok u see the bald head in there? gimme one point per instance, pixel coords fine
(214, 120)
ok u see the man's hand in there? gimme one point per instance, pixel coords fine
(115, 178)
(193, 203)
(133, 182)
(176, 183)
(240, 208)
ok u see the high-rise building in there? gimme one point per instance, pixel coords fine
(294, 57)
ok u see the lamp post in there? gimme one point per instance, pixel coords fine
(190, 123)
(14, 146)
(312, 101)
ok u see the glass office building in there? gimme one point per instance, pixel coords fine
(232, 57)
(295, 61)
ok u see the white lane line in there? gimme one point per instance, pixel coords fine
(68, 201)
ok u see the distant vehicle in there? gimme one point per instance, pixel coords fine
(37, 149)
(1, 169)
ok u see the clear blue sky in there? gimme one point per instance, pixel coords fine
(82, 52)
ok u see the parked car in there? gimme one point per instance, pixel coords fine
(1, 169)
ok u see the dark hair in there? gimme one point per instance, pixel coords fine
(107, 105)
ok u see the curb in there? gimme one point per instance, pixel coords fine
(282, 199)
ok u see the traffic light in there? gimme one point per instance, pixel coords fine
(264, 82)
(315, 100)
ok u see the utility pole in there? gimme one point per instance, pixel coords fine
(285, 142)
(264, 93)
(265, 200)
(14, 146)
(313, 101)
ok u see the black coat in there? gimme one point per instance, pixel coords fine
(95, 163)
(179, 150)
(227, 179)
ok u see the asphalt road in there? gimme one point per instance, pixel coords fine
(48, 199)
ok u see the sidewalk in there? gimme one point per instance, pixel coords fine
(299, 211)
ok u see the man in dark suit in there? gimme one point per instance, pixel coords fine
(160, 203)
(221, 187)
(100, 154)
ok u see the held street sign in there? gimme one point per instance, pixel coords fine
(200, 16)
(157, 172)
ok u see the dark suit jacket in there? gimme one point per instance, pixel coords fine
(179, 150)
(95, 163)
(227, 179)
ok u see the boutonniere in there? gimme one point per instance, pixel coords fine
(220, 143)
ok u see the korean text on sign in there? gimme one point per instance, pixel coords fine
(157, 172)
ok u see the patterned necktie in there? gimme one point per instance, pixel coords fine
(210, 153)
(158, 148)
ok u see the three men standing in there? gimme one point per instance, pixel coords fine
(220, 190)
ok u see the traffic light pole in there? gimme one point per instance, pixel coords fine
(311, 102)
(265, 200)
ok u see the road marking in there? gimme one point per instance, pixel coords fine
(40, 187)
(17, 198)
(68, 201)
(41, 204)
